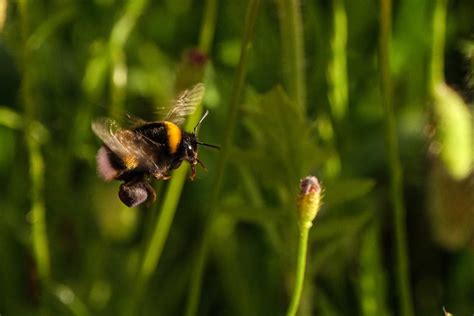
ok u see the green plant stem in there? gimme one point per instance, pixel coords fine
(38, 211)
(162, 226)
(237, 89)
(75, 305)
(36, 163)
(337, 85)
(208, 26)
(118, 38)
(300, 270)
(371, 280)
(337, 68)
(292, 40)
(163, 223)
(437, 48)
(396, 181)
(3, 13)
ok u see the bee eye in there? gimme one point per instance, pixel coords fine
(189, 147)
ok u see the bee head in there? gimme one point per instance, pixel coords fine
(191, 143)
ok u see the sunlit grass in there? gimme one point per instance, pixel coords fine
(393, 156)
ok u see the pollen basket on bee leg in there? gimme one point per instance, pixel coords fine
(174, 136)
(133, 193)
(105, 169)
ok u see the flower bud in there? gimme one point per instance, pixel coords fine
(309, 200)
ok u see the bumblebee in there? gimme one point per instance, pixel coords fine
(149, 150)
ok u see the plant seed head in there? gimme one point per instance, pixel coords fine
(309, 200)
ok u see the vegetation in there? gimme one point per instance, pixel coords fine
(374, 98)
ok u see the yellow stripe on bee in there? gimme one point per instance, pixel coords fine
(130, 162)
(174, 136)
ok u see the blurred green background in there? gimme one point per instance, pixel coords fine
(312, 87)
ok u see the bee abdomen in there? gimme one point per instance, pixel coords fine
(106, 168)
(163, 133)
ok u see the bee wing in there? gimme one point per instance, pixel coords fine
(111, 134)
(135, 121)
(185, 104)
(132, 148)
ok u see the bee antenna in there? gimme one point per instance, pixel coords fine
(195, 130)
(209, 145)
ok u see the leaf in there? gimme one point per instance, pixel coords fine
(346, 190)
(47, 28)
(10, 118)
(340, 226)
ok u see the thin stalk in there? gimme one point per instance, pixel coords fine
(396, 181)
(292, 40)
(372, 286)
(160, 233)
(236, 93)
(36, 163)
(118, 38)
(437, 48)
(208, 26)
(38, 210)
(70, 300)
(3, 13)
(337, 85)
(337, 68)
(308, 204)
(163, 223)
(300, 270)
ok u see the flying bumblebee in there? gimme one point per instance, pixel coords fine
(149, 149)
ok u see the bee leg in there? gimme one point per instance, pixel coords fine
(161, 176)
(193, 173)
(151, 194)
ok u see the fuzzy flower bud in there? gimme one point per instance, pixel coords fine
(309, 200)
